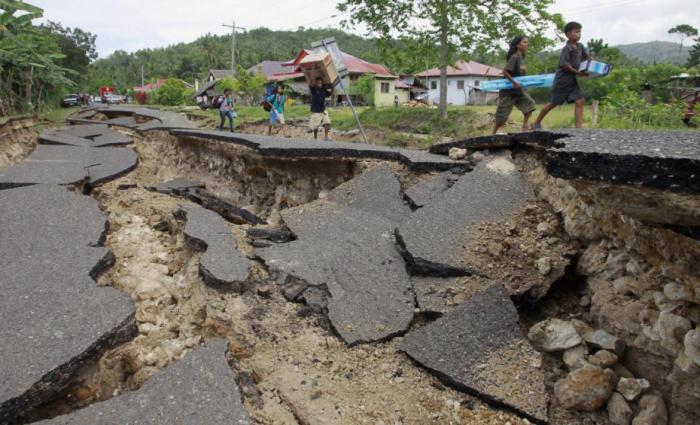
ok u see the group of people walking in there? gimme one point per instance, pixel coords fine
(565, 89)
(276, 103)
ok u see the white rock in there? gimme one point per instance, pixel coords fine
(603, 358)
(631, 388)
(691, 345)
(606, 341)
(457, 153)
(672, 329)
(619, 412)
(544, 229)
(653, 411)
(676, 292)
(544, 266)
(554, 335)
(478, 157)
(575, 357)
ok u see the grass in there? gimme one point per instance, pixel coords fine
(409, 127)
(57, 117)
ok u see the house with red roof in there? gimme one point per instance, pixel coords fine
(384, 80)
(463, 81)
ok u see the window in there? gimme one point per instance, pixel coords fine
(476, 83)
(433, 85)
(385, 87)
(460, 84)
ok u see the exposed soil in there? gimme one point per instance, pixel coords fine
(17, 141)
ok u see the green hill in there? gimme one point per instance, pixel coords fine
(184, 60)
(657, 52)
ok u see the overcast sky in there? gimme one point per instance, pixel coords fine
(133, 24)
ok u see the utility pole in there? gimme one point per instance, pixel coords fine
(233, 45)
(142, 76)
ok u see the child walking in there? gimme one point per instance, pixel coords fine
(278, 99)
(565, 88)
(516, 96)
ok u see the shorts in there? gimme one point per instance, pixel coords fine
(522, 101)
(276, 117)
(566, 94)
(319, 119)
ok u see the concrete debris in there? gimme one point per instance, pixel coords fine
(222, 265)
(353, 253)
(479, 347)
(376, 191)
(429, 237)
(56, 320)
(200, 388)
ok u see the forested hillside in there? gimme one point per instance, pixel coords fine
(185, 60)
(657, 52)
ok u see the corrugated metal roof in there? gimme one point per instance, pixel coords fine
(465, 68)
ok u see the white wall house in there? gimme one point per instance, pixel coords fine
(461, 80)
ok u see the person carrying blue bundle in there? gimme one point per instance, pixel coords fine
(516, 96)
(565, 88)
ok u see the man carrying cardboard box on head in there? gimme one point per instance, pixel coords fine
(320, 73)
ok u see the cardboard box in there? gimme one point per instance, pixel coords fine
(319, 65)
(594, 68)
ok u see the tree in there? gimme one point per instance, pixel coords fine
(364, 87)
(248, 85)
(77, 45)
(694, 58)
(470, 25)
(30, 60)
(685, 31)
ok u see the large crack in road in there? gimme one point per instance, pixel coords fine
(313, 315)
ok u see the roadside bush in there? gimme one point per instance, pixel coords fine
(171, 93)
(624, 108)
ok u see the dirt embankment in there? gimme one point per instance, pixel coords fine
(17, 140)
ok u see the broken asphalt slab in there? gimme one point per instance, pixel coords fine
(353, 254)
(86, 130)
(176, 185)
(434, 239)
(304, 148)
(667, 160)
(537, 138)
(377, 191)
(56, 320)
(195, 192)
(222, 265)
(197, 389)
(64, 165)
(479, 347)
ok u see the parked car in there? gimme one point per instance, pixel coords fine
(70, 100)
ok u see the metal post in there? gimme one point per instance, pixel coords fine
(233, 45)
(233, 49)
(352, 107)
